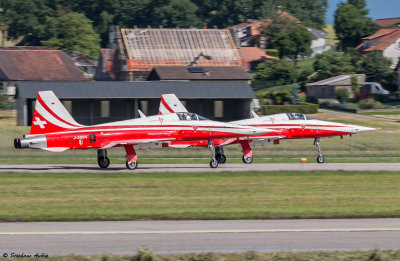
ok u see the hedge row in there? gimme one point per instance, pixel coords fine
(307, 108)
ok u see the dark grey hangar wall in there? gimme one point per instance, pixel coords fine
(105, 101)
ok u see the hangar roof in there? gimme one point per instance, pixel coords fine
(140, 90)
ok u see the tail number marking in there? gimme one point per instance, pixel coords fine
(80, 137)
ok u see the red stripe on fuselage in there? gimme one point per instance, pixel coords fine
(39, 99)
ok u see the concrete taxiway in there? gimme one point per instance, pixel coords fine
(58, 168)
(126, 237)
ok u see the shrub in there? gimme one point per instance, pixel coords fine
(277, 98)
(4, 103)
(342, 95)
(370, 104)
(307, 108)
(272, 52)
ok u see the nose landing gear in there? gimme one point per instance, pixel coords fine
(320, 158)
(214, 162)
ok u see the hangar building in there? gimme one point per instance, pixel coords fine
(105, 101)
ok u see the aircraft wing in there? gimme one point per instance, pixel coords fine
(254, 138)
(136, 142)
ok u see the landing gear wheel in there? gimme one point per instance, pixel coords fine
(221, 158)
(103, 162)
(320, 159)
(214, 163)
(131, 165)
(247, 160)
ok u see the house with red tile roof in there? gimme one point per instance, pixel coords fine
(386, 41)
(35, 64)
(253, 56)
(249, 34)
(388, 22)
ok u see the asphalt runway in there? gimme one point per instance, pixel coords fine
(126, 237)
(142, 168)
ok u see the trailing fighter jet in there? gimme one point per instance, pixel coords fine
(54, 129)
(286, 125)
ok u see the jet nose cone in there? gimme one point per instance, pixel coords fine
(358, 129)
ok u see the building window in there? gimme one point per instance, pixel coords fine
(143, 107)
(104, 109)
(68, 106)
(218, 109)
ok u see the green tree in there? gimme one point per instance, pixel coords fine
(352, 24)
(292, 43)
(295, 97)
(26, 19)
(309, 12)
(377, 69)
(75, 33)
(275, 72)
(331, 64)
(180, 13)
(354, 85)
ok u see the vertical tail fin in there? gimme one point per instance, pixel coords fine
(50, 115)
(169, 104)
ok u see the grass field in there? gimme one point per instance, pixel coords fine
(144, 254)
(331, 39)
(250, 195)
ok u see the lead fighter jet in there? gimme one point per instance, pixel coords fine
(54, 129)
(286, 125)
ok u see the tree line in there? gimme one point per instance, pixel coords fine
(38, 22)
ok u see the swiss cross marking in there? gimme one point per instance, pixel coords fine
(39, 122)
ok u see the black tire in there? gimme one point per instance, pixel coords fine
(131, 165)
(320, 159)
(222, 159)
(103, 162)
(214, 163)
(247, 160)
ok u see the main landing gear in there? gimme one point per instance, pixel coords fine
(247, 152)
(102, 158)
(219, 154)
(320, 158)
(131, 158)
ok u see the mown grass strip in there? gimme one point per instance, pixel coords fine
(250, 195)
(145, 254)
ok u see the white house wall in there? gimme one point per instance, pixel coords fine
(393, 52)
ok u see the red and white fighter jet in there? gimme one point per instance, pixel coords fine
(286, 125)
(54, 129)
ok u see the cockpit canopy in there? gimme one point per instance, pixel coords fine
(298, 116)
(189, 116)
